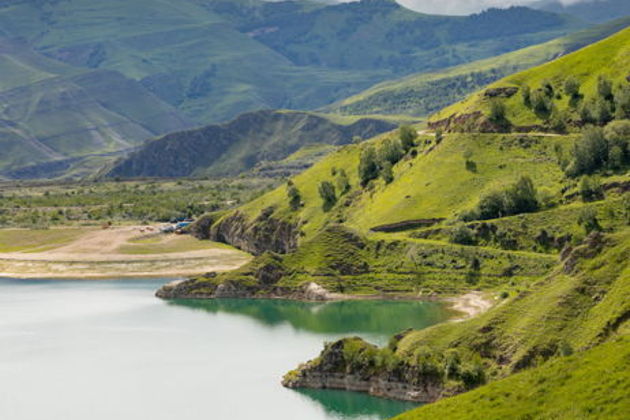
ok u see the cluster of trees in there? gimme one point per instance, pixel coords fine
(600, 148)
(375, 163)
(520, 197)
(610, 102)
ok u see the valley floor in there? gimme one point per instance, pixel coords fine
(126, 251)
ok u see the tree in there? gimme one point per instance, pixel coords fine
(604, 88)
(622, 102)
(387, 173)
(343, 183)
(526, 94)
(541, 104)
(590, 152)
(572, 87)
(603, 112)
(295, 198)
(462, 235)
(547, 88)
(328, 195)
(497, 112)
(391, 151)
(408, 136)
(368, 166)
(588, 220)
(591, 189)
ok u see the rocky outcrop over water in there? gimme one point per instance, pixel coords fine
(352, 364)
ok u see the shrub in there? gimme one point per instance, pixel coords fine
(588, 220)
(439, 135)
(589, 153)
(517, 198)
(526, 94)
(462, 235)
(604, 88)
(391, 151)
(343, 183)
(541, 104)
(368, 166)
(622, 102)
(387, 173)
(572, 87)
(591, 189)
(328, 195)
(407, 135)
(295, 198)
(547, 88)
(497, 112)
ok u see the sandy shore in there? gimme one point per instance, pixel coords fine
(100, 254)
(470, 305)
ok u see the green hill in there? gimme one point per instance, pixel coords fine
(216, 59)
(51, 111)
(538, 99)
(236, 146)
(411, 214)
(425, 93)
(586, 385)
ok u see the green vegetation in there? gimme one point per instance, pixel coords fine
(33, 205)
(599, 70)
(255, 138)
(160, 245)
(427, 92)
(36, 240)
(589, 385)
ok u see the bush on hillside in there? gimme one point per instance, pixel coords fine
(590, 152)
(622, 102)
(295, 198)
(462, 235)
(604, 88)
(526, 94)
(497, 113)
(517, 198)
(588, 220)
(572, 87)
(368, 166)
(387, 172)
(391, 151)
(408, 136)
(328, 195)
(591, 189)
(343, 183)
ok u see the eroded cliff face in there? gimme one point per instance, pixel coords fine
(264, 233)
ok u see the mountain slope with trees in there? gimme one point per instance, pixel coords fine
(537, 222)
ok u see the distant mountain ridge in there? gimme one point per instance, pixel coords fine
(236, 146)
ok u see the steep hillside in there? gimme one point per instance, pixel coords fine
(588, 10)
(424, 93)
(537, 223)
(590, 86)
(50, 111)
(215, 59)
(589, 385)
(231, 148)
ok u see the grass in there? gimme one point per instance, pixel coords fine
(161, 245)
(425, 93)
(609, 57)
(37, 240)
(588, 385)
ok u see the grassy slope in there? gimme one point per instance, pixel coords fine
(52, 111)
(609, 57)
(589, 385)
(425, 93)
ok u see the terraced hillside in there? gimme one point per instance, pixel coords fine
(425, 93)
(536, 222)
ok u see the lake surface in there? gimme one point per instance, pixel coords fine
(95, 350)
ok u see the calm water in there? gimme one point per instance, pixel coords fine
(110, 350)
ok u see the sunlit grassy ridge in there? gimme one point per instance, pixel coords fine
(609, 58)
(425, 93)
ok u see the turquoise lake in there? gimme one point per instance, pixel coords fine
(109, 349)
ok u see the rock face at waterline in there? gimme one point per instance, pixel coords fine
(347, 365)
